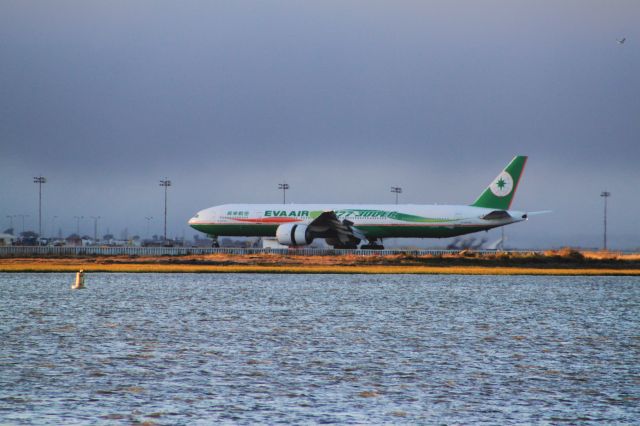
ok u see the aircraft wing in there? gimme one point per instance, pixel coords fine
(328, 223)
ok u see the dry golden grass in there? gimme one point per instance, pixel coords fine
(558, 262)
(569, 253)
(611, 255)
(62, 265)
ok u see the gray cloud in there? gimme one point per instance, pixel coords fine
(342, 99)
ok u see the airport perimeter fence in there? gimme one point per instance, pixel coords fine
(13, 251)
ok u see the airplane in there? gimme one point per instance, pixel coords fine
(345, 226)
(622, 40)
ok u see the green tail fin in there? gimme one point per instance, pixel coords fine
(499, 194)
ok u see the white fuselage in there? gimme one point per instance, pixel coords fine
(374, 220)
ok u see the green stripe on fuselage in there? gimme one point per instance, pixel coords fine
(409, 231)
(238, 229)
(371, 231)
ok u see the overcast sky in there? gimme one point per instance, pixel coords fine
(341, 98)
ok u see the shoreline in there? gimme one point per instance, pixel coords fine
(562, 263)
(335, 270)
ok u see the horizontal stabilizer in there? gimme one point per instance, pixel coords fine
(496, 214)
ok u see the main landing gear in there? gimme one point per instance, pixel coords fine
(373, 245)
(214, 242)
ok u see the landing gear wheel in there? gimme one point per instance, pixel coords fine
(372, 246)
(214, 242)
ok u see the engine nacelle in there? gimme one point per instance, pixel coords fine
(293, 234)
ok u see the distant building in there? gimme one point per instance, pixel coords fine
(6, 239)
(73, 240)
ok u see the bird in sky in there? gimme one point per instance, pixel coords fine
(622, 40)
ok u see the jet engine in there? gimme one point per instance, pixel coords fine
(293, 234)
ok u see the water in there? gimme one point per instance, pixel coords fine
(202, 349)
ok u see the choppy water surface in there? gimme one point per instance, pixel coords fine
(189, 349)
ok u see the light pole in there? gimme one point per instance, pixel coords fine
(284, 186)
(39, 180)
(95, 229)
(53, 226)
(10, 217)
(148, 219)
(397, 190)
(77, 218)
(22, 216)
(166, 183)
(605, 195)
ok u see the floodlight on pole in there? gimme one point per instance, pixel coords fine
(22, 216)
(95, 229)
(77, 218)
(284, 186)
(39, 180)
(53, 226)
(397, 190)
(605, 195)
(166, 183)
(148, 219)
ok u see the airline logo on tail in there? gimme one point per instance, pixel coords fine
(502, 185)
(499, 194)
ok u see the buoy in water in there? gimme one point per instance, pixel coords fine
(79, 280)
